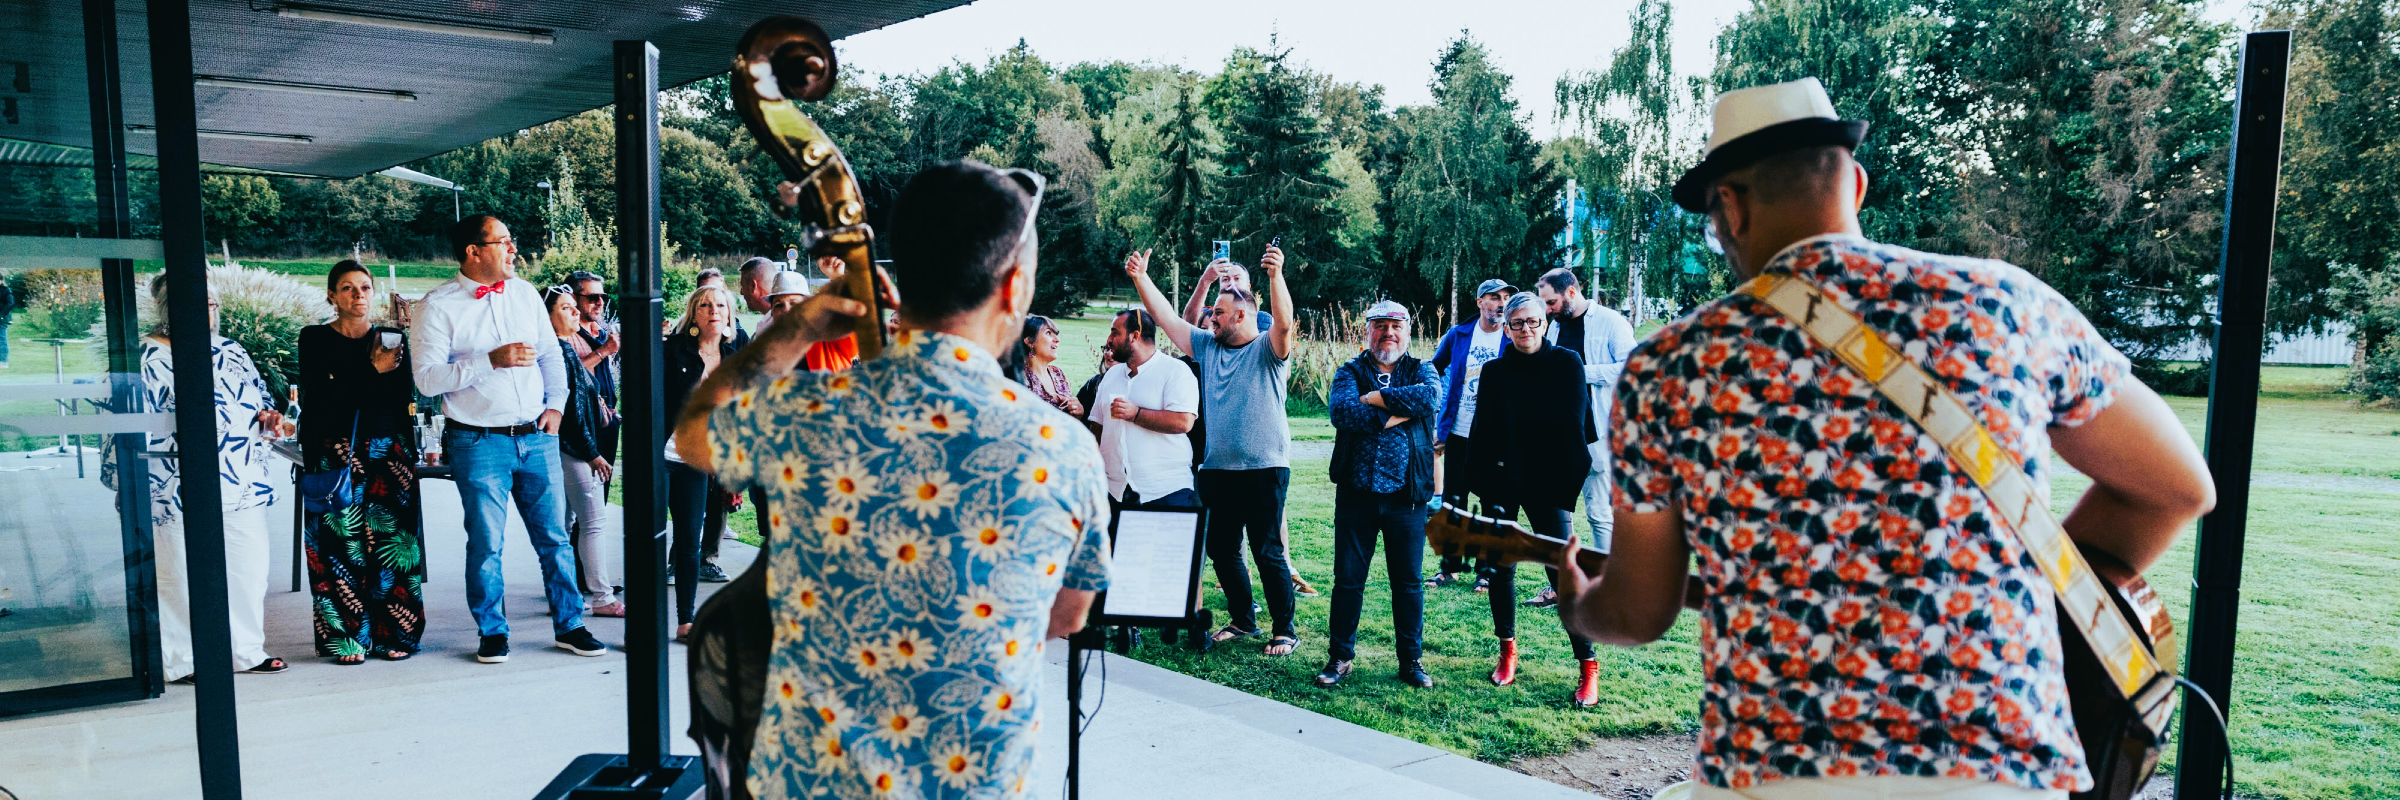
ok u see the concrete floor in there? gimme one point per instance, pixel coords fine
(442, 725)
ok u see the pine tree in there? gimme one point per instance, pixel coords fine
(1183, 188)
(1463, 205)
(1278, 178)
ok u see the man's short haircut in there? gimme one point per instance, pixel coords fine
(1801, 174)
(1140, 323)
(955, 230)
(468, 232)
(758, 264)
(578, 277)
(1560, 280)
(1241, 297)
(343, 267)
(706, 275)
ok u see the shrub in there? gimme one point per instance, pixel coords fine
(592, 247)
(56, 303)
(2374, 302)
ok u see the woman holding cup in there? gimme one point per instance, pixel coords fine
(366, 562)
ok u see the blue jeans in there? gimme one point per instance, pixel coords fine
(490, 469)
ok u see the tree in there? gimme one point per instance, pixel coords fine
(2338, 231)
(1457, 213)
(234, 207)
(1278, 175)
(1642, 134)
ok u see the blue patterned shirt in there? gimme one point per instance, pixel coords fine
(245, 475)
(925, 512)
(1381, 464)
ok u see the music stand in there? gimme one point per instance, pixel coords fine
(1153, 582)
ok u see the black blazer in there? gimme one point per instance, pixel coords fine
(680, 359)
(1533, 418)
(579, 428)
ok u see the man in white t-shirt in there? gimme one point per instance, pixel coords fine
(1460, 357)
(1144, 407)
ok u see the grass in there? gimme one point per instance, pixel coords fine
(2317, 690)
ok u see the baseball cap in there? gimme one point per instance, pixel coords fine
(1387, 309)
(1494, 285)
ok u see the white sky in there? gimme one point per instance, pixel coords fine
(1388, 42)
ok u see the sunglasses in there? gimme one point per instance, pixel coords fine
(1033, 184)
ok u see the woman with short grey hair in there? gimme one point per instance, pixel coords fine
(246, 420)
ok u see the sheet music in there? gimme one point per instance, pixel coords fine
(1150, 570)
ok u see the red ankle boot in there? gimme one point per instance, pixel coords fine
(1587, 690)
(1506, 672)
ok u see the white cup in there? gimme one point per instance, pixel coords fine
(391, 340)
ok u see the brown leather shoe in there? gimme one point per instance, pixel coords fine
(1506, 672)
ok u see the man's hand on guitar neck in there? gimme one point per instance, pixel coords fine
(1641, 588)
(773, 353)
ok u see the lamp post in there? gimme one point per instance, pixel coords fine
(549, 211)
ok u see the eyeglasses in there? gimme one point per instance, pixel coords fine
(1524, 324)
(592, 298)
(510, 241)
(1033, 184)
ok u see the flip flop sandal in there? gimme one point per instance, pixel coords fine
(1230, 633)
(395, 655)
(1291, 644)
(269, 667)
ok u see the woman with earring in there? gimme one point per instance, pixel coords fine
(584, 467)
(702, 338)
(366, 562)
(1038, 348)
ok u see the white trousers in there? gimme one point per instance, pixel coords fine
(587, 519)
(245, 588)
(1893, 787)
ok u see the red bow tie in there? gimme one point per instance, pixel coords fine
(496, 288)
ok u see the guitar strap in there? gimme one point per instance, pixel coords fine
(2082, 598)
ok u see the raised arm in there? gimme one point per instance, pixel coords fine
(1281, 334)
(1137, 269)
(1193, 304)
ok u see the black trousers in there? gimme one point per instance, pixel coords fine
(720, 508)
(687, 505)
(1547, 521)
(1358, 515)
(1454, 484)
(1249, 501)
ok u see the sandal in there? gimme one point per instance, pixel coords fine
(395, 655)
(269, 667)
(1290, 645)
(1230, 633)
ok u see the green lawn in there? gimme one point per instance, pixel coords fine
(2317, 689)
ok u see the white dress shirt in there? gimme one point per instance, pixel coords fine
(454, 336)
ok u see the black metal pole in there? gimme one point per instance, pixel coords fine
(178, 131)
(2233, 403)
(640, 310)
(1075, 716)
(121, 296)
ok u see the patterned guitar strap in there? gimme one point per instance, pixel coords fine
(2138, 674)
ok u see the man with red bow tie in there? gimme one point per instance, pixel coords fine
(484, 345)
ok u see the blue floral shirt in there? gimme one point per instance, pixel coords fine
(245, 471)
(924, 510)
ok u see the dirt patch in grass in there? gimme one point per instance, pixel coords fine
(1628, 767)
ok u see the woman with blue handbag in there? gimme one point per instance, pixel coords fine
(366, 559)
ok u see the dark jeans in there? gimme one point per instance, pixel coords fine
(687, 504)
(1358, 515)
(1249, 500)
(1546, 521)
(1454, 484)
(720, 508)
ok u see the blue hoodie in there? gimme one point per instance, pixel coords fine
(1450, 356)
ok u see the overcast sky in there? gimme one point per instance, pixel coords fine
(1388, 42)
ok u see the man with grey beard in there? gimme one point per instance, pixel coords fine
(1384, 403)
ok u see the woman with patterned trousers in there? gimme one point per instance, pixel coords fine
(366, 562)
(1526, 452)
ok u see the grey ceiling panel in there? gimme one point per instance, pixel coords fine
(467, 88)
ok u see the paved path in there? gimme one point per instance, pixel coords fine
(441, 725)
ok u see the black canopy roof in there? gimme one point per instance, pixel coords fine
(475, 70)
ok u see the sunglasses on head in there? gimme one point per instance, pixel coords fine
(1033, 184)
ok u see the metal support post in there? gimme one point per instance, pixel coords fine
(2233, 404)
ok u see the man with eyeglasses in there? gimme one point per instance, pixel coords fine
(935, 521)
(1244, 376)
(1460, 357)
(1383, 405)
(483, 345)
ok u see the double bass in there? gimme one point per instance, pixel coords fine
(779, 62)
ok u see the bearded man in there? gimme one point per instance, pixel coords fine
(1384, 403)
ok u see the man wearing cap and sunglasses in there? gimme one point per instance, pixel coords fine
(1460, 357)
(1383, 405)
(1872, 624)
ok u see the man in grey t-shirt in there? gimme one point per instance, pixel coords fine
(1243, 475)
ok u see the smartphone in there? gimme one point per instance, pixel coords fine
(1224, 250)
(1276, 242)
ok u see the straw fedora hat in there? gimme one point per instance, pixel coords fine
(1760, 121)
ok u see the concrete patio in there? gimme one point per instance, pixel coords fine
(442, 725)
